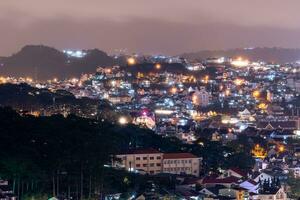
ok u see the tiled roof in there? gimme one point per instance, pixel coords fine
(210, 180)
(141, 151)
(178, 155)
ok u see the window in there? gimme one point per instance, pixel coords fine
(151, 158)
(190, 161)
(137, 165)
(138, 158)
(144, 165)
(158, 157)
(158, 164)
(144, 158)
(151, 172)
(151, 164)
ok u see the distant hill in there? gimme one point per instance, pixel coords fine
(42, 62)
(278, 55)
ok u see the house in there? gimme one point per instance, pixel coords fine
(234, 192)
(152, 161)
(250, 185)
(262, 177)
(212, 191)
(270, 194)
(273, 125)
(211, 181)
(235, 172)
(181, 163)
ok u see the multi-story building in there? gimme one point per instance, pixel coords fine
(151, 161)
(201, 97)
(181, 163)
(142, 161)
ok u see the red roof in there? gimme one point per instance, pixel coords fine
(212, 180)
(238, 171)
(178, 155)
(141, 151)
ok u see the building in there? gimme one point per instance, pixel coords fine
(151, 161)
(181, 163)
(201, 97)
(272, 194)
(141, 161)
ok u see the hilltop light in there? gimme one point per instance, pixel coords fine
(131, 61)
(3, 80)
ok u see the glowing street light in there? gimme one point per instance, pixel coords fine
(173, 90)
(123, 120)
(131, 61)
(157, 66)
(256, 94)
(281, 148)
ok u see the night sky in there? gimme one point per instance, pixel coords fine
(149, 26)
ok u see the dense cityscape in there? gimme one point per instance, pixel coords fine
(86, 124)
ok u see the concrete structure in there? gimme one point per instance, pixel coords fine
(142, 161)
(181, 163)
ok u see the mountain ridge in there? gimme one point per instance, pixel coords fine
(268, 54)
(42, 62)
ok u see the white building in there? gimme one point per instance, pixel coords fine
(181, 163)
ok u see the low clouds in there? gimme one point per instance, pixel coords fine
(148, 26)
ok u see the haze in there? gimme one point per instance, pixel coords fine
(149, 26)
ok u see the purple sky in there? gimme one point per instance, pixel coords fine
(150, 26)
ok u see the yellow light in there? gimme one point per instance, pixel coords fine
(158, 66)
(55, 80)
(227, 92)
(173, 90)
(256, 94)
(28, 79)
(281, 148)
(3, 80)
(239, 82)
(262, 106)
(206, 79)
(123, 120)
(195, 99)
(131, 61)
(239, 62)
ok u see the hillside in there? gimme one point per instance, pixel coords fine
(279, 55)
(42, 63)
(30, 99)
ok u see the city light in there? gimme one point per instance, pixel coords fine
(164, 112)
(131, 61)
(239, 81)
(157, 66)
(239, 62)
(123, 120)
(173, 90)
(256, 93)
